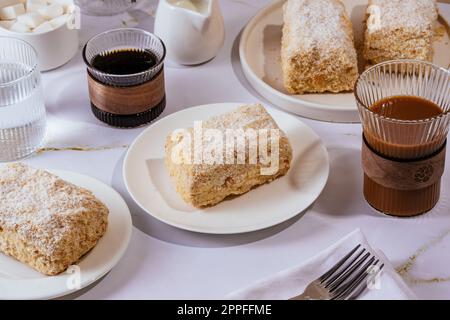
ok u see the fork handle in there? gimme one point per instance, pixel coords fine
(302, 296)
(314, 291)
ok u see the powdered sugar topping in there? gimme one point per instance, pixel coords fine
(316, 24)
(41, 207)
(392, 14)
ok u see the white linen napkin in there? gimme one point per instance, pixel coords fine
(291, 282)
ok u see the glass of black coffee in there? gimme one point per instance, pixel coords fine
(126, 76)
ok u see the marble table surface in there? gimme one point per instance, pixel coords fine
(164, 262)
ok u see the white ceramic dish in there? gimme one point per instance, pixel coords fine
(18, 281)
(54, 48)
(191, 37)
(150, 186)
(260, 59)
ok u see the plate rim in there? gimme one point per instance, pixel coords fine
(248, 70)
(200, 229)
(298, 106)
(117, 257)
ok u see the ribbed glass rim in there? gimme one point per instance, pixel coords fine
(160, 62)
(33, 68)
(392, 62)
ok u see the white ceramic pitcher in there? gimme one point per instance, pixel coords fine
(192, 30)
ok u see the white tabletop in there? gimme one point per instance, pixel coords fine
(164, 262)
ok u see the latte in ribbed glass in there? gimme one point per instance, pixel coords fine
(404, 108)
(22, 109)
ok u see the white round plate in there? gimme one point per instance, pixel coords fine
(259, 52)
(150, 186)
(18, 281)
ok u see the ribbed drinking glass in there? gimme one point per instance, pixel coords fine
(125, 38)
(404, 144)
(22, 108)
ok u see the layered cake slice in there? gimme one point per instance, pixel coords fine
(46, 222)
(317, 53)
(230, 156)
(399, 29)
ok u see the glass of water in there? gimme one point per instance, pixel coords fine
(22, 108)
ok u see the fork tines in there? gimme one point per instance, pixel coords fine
(348, 278)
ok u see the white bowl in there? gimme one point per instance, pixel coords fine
(54, 48)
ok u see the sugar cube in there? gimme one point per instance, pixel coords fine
(52, 11)
(31, 19)
(41, 2)
(70, 9)
(67, 4)
(45, 27)
(20, 27)
(7, 3)
(33, 6)
(7, 24)
(61, 2)
(11, 12)
(59, 21)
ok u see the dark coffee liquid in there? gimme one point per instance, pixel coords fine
(125, 61)
(406, 108)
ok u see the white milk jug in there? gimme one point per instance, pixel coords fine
(192, 30)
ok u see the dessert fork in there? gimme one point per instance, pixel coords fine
(346, 280)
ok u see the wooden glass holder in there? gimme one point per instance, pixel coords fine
(403, 188)
(130, 106)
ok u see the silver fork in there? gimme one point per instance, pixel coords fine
(346, 280)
